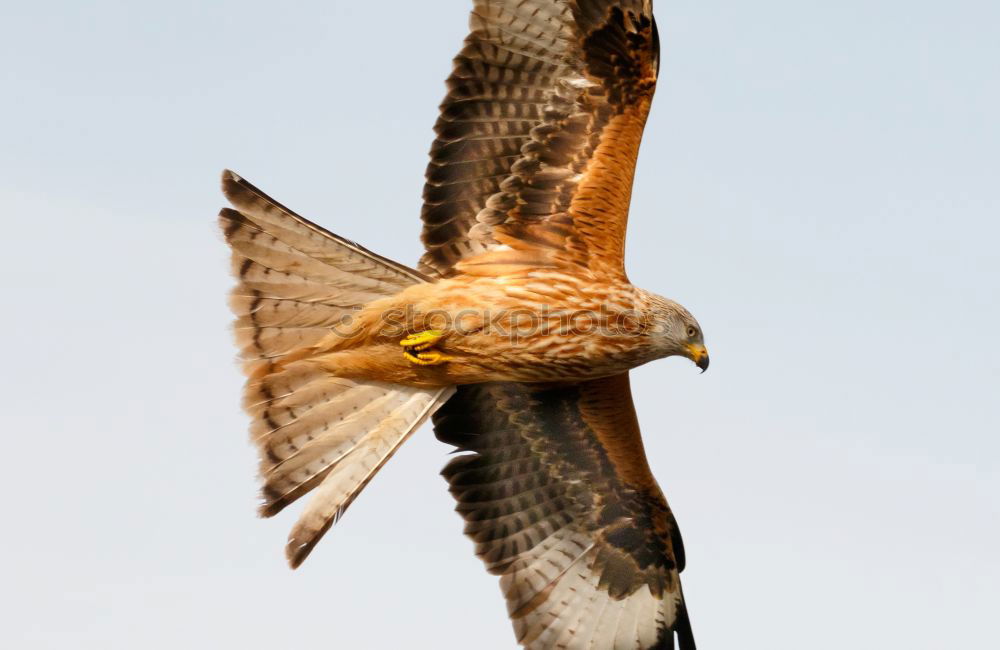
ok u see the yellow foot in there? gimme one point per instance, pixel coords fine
(426, 358)
(418, 348)
(422, 340)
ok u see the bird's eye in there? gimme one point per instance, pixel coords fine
(692, 331)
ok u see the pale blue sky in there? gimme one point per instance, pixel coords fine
(820, 184)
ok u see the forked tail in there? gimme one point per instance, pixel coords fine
(315, 432)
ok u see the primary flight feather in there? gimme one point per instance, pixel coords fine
(516, 333)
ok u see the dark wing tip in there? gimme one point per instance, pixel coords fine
(685, 635)
(656, 46)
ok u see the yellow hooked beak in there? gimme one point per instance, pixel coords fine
(698, 353)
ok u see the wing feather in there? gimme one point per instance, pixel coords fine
(557, 495)
(532, 167)
(538, 136)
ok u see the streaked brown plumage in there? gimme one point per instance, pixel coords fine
(558, 479)
(519, 330)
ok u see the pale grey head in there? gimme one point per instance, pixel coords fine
(675, 331)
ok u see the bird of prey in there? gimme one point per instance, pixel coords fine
(516, 331)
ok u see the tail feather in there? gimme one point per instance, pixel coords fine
(314, 431)
(313, 240)
(348, 477)
(308, 448)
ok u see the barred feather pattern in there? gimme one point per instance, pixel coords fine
(539, 133)
(315, 432)
(557, 495)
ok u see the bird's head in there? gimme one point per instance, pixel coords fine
(677, 333)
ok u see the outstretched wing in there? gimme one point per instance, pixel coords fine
(558, 497)
(538, 136)
(532, 166)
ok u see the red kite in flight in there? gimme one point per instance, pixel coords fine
(516, 332)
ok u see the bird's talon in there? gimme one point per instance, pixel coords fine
(426, 358)
(422, 340)
(418, 348)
